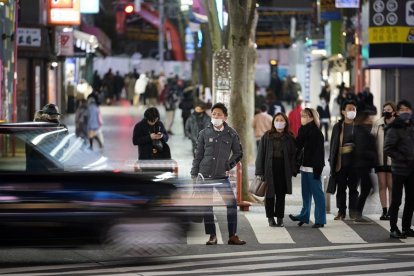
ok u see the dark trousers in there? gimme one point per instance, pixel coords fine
(366, 186)
(347, 177)
(275, 208)
(226, 193)
(398, 182)
(326, 126)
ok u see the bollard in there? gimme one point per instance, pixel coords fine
(244, 205)
(327, 195)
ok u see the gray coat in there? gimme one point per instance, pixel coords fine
(217, 152)
(264, 162)
(191, 126)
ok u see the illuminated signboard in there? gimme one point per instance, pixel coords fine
(89, 6)
(64, 12)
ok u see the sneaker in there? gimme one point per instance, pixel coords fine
(339, 216)
(396, 234)
(385, 216)
(408, 232)
(317, 225)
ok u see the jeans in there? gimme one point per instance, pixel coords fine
(226, 193)
(398, 182)
(347, 177)
(312, 187)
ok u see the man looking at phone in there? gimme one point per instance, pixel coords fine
(151, 137)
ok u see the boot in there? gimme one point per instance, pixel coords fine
(212, 240)
(272, 222)
(280, 222)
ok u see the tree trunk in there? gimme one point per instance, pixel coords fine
(241, 20)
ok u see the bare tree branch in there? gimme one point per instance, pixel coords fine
(252, 12)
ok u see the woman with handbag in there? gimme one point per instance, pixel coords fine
(276, 164)
(310, 143)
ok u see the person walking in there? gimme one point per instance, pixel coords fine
(140, 86)
(343, 174)
(276, 164)
(218, 151)
(310, 146)
(325, 116)
(383, 168)
(262, 122)
(95, 122)
(365, 159)
(81, 120)
(399, 141)
(186, 105)
(151, 137)
(198, 121)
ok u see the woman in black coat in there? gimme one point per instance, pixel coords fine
(310, 145)
(276, 163)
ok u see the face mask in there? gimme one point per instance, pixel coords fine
(405, 116)
(280, 125)
(323, 103)
(387, 115)
(216, 122)
(351, 115)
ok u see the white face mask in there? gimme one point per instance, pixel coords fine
(216, 122)
(280, 125)
(351, 115)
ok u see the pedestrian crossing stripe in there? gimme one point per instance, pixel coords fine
(335, 231)
(386, 225)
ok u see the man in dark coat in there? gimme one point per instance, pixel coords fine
(399, 141)
(150, 137)
(198, 121)
(218, 151)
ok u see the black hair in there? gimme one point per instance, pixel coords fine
(220, 106)
(404, 103)
(345, 103)
(263, 108)
(151, 114)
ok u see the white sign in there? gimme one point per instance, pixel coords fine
(347, 3)
(29, 37)
(409, 13)
(89, 6)
(65, 44)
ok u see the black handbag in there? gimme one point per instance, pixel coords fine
(258, 187)
(157, 144)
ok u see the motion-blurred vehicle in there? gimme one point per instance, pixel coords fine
(55, 191)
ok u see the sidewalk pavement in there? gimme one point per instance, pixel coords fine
(119, 121)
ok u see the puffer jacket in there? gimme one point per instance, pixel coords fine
(398, 144)
(217, 152)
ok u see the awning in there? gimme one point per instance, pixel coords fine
(104, 43)
(86, 42)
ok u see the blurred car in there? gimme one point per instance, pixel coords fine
(55, 191)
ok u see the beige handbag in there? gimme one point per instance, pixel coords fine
(258, 187)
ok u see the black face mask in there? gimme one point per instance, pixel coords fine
(387, 115)
(199, 114)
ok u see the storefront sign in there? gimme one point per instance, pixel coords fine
(29, 37)
(89, 6)
(65, 44)
(64, 12)
(347, 3)
(391, 32)
(328, 11)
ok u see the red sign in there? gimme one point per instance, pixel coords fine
(64, 12)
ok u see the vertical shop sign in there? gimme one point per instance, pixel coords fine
(222, 77)
(65, 44)
(391, 32)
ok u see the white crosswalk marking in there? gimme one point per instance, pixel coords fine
(337, 231)
(197, 234)
(266, 234)
(386, 225)
(386, 250)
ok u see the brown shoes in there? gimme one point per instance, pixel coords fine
(339, 216)
(235, 240)
(212, 240)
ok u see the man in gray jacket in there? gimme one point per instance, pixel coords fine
(218, 151)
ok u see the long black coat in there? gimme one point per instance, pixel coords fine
(142, 138)
(264, 162)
